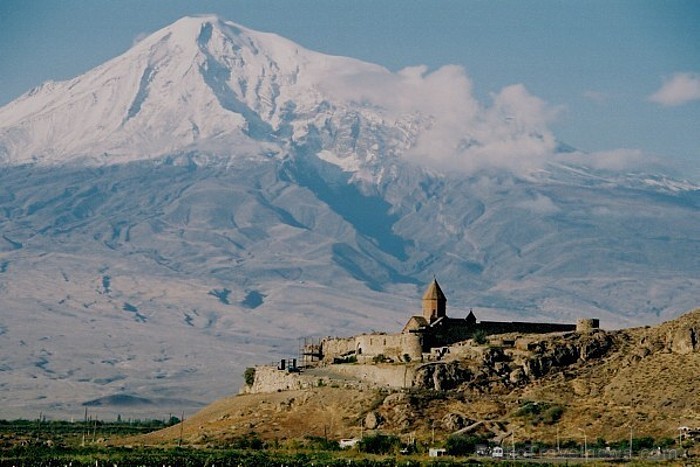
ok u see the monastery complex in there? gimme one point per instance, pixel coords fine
(395, 360)
(425, 337)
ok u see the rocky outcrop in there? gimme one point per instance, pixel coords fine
(372, 420)
(399, 410)
(557, 354)
(681, 336)
(453, 422)
(441, 376)
(684, 340)
(499, 368)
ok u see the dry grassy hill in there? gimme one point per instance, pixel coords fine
(605, 384)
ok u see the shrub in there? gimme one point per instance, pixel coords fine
(480, 337)
(319, 443)
(552, 415)
(666, 442)
(249, 376)
(645, 442)
(379, 444)
(529, 409)
(540, 412)
(249, 441)
(381, 358)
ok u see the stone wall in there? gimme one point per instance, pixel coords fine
(393, 346)
(335, 347)
(367, 346)
(498, 327)
(270, 379)
(386, 375)
(450, 330)
(379, 344)
(587, 325)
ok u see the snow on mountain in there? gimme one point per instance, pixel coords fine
(200, 83)
(194, 205)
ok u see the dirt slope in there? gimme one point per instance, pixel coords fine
(644, 379)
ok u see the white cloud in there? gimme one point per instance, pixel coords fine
(463, 133)
(616, 159)
(596, 96)
(679, 89)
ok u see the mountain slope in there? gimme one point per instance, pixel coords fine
(196, 204)
(199, 83)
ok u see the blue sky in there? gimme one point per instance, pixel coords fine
(624, 74)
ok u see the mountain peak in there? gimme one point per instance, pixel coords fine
(201, 83)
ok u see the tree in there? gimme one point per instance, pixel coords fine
(379, 444)
(459, 445)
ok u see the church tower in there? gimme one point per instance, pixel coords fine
(434, 302)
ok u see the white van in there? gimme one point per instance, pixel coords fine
(497, 452)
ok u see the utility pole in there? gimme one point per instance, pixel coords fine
(557, 441)
(630, 442)
(85, 427)
(182, 428)
(585, 443)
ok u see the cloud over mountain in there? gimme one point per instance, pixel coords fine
(464, 134)
(204, 83)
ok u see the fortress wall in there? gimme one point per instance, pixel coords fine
(587, 324)
(336, 347)
(270, 379)
(497, 327)
(389, 345)
(451, 331)
(412, 345)
(388, 375)
(393, 346)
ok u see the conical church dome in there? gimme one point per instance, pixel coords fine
(434, 302)
(434, 292)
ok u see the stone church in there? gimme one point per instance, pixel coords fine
(433, 329)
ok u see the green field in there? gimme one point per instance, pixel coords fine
(93, 443)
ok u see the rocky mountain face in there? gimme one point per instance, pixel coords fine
(193, 206)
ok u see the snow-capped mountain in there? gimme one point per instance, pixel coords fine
(200, 84)
(194, 205)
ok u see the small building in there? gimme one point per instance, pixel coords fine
(348, 443)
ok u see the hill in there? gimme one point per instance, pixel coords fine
(642, 380)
